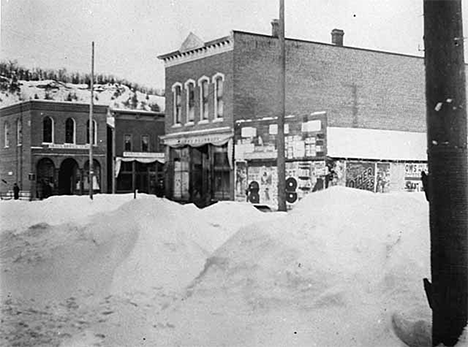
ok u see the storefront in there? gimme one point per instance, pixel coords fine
(200, 167)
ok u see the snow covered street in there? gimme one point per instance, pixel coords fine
(149, 272)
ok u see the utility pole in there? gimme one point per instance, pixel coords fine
(280, 161)
(447, 182)
(91, 130)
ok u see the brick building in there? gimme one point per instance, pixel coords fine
(136, 151)
(222, 102)
(45, 148)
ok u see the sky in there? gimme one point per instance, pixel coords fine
(129, 35)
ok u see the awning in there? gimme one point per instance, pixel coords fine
(119, 160)
(376, 144)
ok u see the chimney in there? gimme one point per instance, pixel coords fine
(275, 28)
(337, 37)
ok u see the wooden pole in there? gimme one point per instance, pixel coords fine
(280, 163)
(91, 131)
(447, 182)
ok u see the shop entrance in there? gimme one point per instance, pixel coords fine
(45, 184)
(200, 193)
(68, 175)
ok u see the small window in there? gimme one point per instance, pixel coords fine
(19, 132)
(177, 95)
(94, 132)
(70, 131)
(128, 143)
(6, 132)
(47, 130)
(190, 88)
(145, 143)
(204, 94)
(218, 81)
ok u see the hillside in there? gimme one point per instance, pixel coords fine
(116, 95)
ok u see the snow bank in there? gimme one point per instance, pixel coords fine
(330, 273)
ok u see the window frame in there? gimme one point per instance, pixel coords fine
(95, 132)
(202, 105)
(6, 135)
(187, 101)
(52, 130)
(124, 142)
(148, 144)
(176, 107)
(73, 132)
(216, 77)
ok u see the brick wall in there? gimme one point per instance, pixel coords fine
(357, 88)
(138, 128)
(209, 66)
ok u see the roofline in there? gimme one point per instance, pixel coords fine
(330, 44)
(42, 104)
(142, 112)
(205, 45)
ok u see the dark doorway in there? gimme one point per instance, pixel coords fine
(45, 185)
(200, 187)
(68, 177)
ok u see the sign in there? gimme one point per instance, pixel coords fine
(197, 140)
(68, 146)
(158, 155)
(360, 175)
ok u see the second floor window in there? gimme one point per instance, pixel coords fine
(145, 143)
(177, 94)
(219, 103)
(127, 143)
(94, 132)
(190, 86)
(204, 93)
(6, 134)
(47, 130)
(19, 132)
(69, 131)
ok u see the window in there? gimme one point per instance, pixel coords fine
(218, 81)
(203, 83)
(145, 143)
(181, 173)
(177, 96)
(19, 132)
(6, 132)
(190, 89)
(70, 131)
(94, 132)
(127, 143)
(47, 130)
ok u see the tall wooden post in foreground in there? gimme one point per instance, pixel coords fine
(447, 183)
(280, 161)
(91, 130)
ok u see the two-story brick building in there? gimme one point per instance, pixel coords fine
(222, 102)
(136, 151)
(45, 148)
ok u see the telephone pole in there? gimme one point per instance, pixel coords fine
(447, 182)
(280, 161)
(91, 130)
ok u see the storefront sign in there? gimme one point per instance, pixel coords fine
(197, 140)
(68, 146)
(157, 155)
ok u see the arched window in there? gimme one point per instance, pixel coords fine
(190, 92)
(6, 134)
(48, 130)
(204, 84)
(218, 82)
(177, 102)
(94, 132)
(70, 130)
(19, 132)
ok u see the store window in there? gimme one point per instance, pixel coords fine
(70, 130)
(177, 100)
(181, 160)
(19, 132)
(47, 130)
(190, 88)
(6, 134)
(204, 94)
(218, 81)
(127, 143)
(145, 143)
(221, 173)
(94, 132)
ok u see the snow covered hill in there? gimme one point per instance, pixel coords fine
(115, 95)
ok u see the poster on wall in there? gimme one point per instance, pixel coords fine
(241, 181)
(263, 185)
(360, 175)
(413, 181)
(337, 169)
(382, 184)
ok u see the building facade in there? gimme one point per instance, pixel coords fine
(222, 102)
(136, 151)
(45, 148)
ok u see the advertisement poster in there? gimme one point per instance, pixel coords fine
(263, 185)
(241, 181)
(337, 170)
(383, 178)
(360, 175)
(413, 181)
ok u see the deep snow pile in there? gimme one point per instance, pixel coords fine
(331, 272)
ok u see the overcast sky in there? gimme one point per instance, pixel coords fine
(130, 34)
